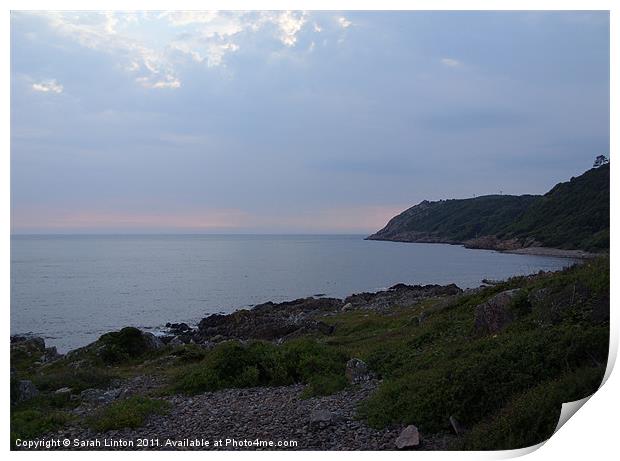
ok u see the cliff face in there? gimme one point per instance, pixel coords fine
(572, 215)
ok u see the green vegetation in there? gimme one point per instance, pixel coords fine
(439, 368)
(130, 412)
(39, 415)
(572, 215)
(121, 346)
(459, 220)
(532, 416)
(234, 365)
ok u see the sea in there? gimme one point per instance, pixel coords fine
(70, 289)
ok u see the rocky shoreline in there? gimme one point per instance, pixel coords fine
(512, 246)
(280, 322)
(260, 413)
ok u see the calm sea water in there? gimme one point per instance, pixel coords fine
(71, 289)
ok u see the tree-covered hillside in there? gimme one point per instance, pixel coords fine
(572, 215)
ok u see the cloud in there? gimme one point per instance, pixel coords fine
(101, 32)
(150, 45)
(290, 24)
(450, 62)
(344, 22)
(48, 86)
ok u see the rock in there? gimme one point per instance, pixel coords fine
(178, 328)
(456, 426)
(357, 371)
(35, 342)
(63, 391)
(320, 419)
(269, 321)
(494, 314)
(152, 342)
(99, 396)
(400, 295)
(50, 355)
(408, 438)
(176, 341)
(347, 307)
(26, 390)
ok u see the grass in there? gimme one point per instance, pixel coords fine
(234, 365)
(531, 417)
(37, 416)
(127, 413)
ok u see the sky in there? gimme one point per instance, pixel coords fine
(294, 122)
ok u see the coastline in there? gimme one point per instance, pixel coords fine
(498, 246)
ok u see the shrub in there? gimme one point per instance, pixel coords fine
(120, 346)
(531, 417)
(130, 413)
(30, 423)
(234, 365)
(77, 379)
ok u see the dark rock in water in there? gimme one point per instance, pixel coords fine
(495, 314)
(26, 390)
(408, 438)
(177, 328)
(357, 371)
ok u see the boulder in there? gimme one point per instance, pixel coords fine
(151, 341)
(50, 355)
(63, 391)
(320, 419)
(30, 341)
(99, 396)
(357, 371)
(26, 390)
(495, 314)
(408, 438)
(176, 341)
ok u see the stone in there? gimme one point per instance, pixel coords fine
(51, 354)
(36, 342)
(347, 307)
(26, 390)
(408, 438)
(494, 314)
(357, 371)
(152, 341)
(63, 391)
(176, 341)
(99, 396)
(320, 419)
(456, 426)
